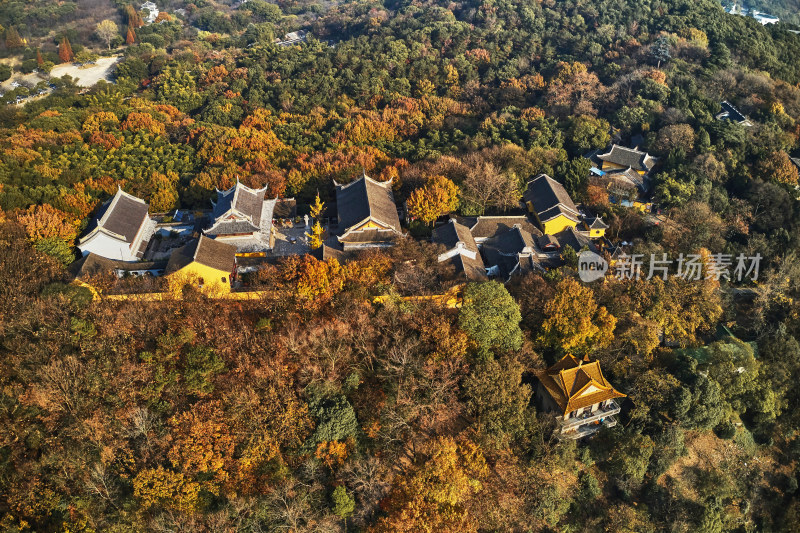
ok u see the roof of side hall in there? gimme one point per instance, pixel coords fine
(95, 265)
(122, 216)
(628, 157)
(627, 177)
(575, 240)
(484, 227)
(574, 383)
(549, 198)
(452, 233)
(473, 269)
(206, 251)
(366, 199)
(514, 241)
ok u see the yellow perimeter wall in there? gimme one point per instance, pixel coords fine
(162, 296)
(452, 299)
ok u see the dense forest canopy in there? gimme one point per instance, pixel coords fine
(318, 407)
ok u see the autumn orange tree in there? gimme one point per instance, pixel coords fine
(269, 417)
(45, 221)
(778, 167)
(163, 191)
(434, 497)
(368, 271)
(65, 51)
(574, 322)
(574, 90)
(51, 231)
(438, 197)
(100, 121)
(313, 282)
(686, 308)
(134, 17)
(137, 120)
(597, 195)
(203, 444)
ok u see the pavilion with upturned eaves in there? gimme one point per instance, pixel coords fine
(579, 396)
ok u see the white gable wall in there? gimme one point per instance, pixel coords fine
(106, 246)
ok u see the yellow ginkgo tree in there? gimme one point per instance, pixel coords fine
(315, 237)
(438, 197)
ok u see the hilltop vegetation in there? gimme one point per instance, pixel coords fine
(316, 408)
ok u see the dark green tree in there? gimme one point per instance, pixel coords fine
(491, 318)
(499, 401)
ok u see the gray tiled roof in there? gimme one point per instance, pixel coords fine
(473, 269)
(595, 223)
(628, 157)
(505, 263)
(248, 202)
(512, 241)
(531, 263)
(93, 265)
(233, 227)
(369, 236)
(123, 214)
(285, 208)
(206, 251)
(452, 233)
(366, 198)
(576, 241)
(548, 240)
(555, 211)
(627, 176)
(486, 227)
(325, 252)
(796, 161)
(549, 198)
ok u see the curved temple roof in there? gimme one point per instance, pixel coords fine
(574, 383)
